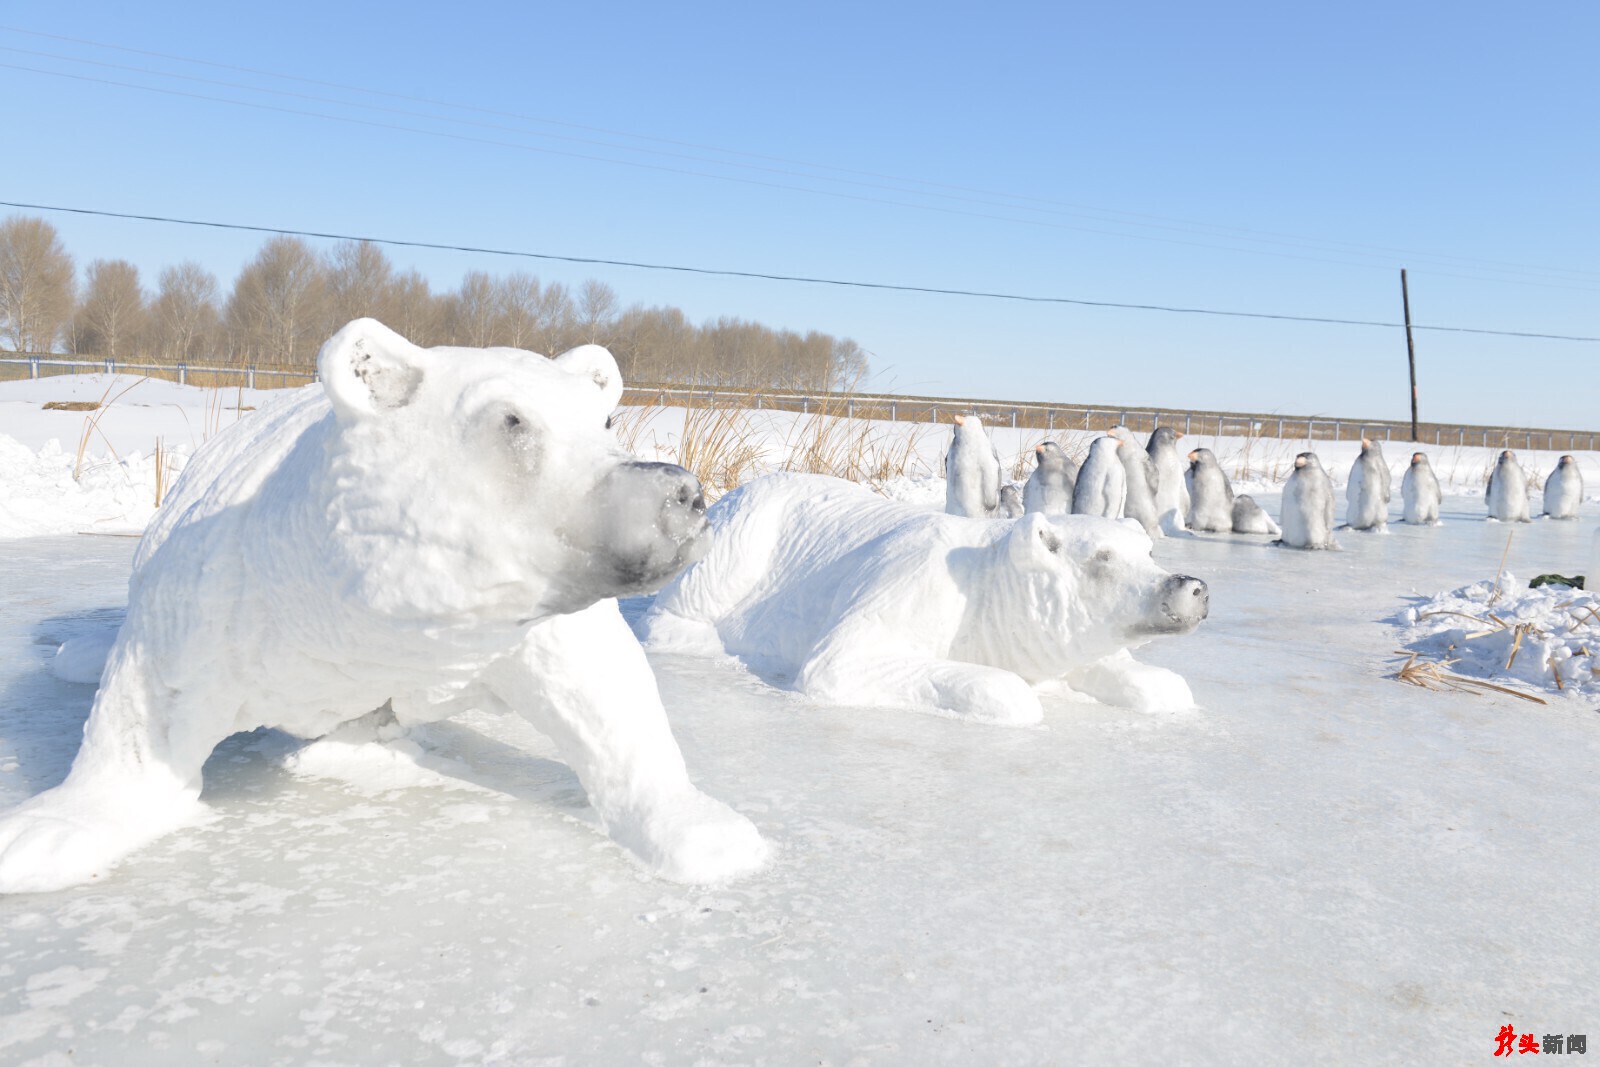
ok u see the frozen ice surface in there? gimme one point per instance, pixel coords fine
(1323, 865)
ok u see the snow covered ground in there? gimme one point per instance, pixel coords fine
(1322, 865)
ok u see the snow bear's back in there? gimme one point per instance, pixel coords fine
(231, 467)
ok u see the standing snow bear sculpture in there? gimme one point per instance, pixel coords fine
(852, 599)
(427, 532)
(1506, 495)
(971, 471)
(1367, 492)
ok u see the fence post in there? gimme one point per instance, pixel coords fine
(33, 366)
(1186, 419)
(893, 405)
(183, 374)
(1013, 418)
(250, 377)
(1311, 430)
(111, 367)
(1280, 428)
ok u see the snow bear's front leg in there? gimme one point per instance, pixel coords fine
(584, 680)
(1122, 680)
(859, 670)
(136, 778)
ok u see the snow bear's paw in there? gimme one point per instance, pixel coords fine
(1156, 690)
(40, 852)
(695, 839)
(65, 837)
(1122, 681)
(989, 695)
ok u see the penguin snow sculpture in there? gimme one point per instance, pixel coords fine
(1307, 519)
(1367, 493)
(1049, 488)
(1102, 485)
(1507, 492)
(971, 471)
(1563, 490)
(1172, 493)
(1419, 492)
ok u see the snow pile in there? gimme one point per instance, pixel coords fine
(39, 496)
(1547, 638)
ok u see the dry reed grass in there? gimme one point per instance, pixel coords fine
(91, 424)
(1437, 676)
(720, 447)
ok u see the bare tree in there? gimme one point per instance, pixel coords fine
(416, 313)
(597, 312)
(517, 311)
(554, 332)
(35, 284)
(360, 282)
(472, 310)
(184, 322)
(110, 320)
(276, 311)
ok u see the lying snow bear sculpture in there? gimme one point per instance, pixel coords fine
(861, 600)
(431, 530)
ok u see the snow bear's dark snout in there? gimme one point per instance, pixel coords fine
(1183, 603)
(652, 524)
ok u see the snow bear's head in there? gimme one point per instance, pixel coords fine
(485, 484)
(1077, 588)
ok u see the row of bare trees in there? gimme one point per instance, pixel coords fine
(290, 297)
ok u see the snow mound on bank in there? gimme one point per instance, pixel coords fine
(40, 497)
(1554, 630)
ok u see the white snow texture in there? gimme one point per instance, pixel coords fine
(853, 599)
(430, 531)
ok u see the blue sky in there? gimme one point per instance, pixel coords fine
(1252, 157)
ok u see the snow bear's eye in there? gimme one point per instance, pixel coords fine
(1105, 555)
(1052, 543)
(513, 421)
(610, 420)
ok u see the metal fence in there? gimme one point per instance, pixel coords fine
(1065, 417)
(1047, 417)
(248, 376)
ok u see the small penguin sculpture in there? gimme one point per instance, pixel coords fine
(1102, 485)
(1049, 487)
(971, 471)
(1507, 492)
(1419, 492)
(1307, 518)
(1366, 494)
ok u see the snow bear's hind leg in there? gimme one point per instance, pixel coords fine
(136, 778)
(583, 680)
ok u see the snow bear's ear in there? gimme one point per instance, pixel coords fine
(1035, 539)
(599, 366)
(367, 368)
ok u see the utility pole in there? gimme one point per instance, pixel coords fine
(1411, 351)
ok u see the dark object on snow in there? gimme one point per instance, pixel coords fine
(1556, 579)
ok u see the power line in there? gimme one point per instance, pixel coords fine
(1536, 276)
(763, 276)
